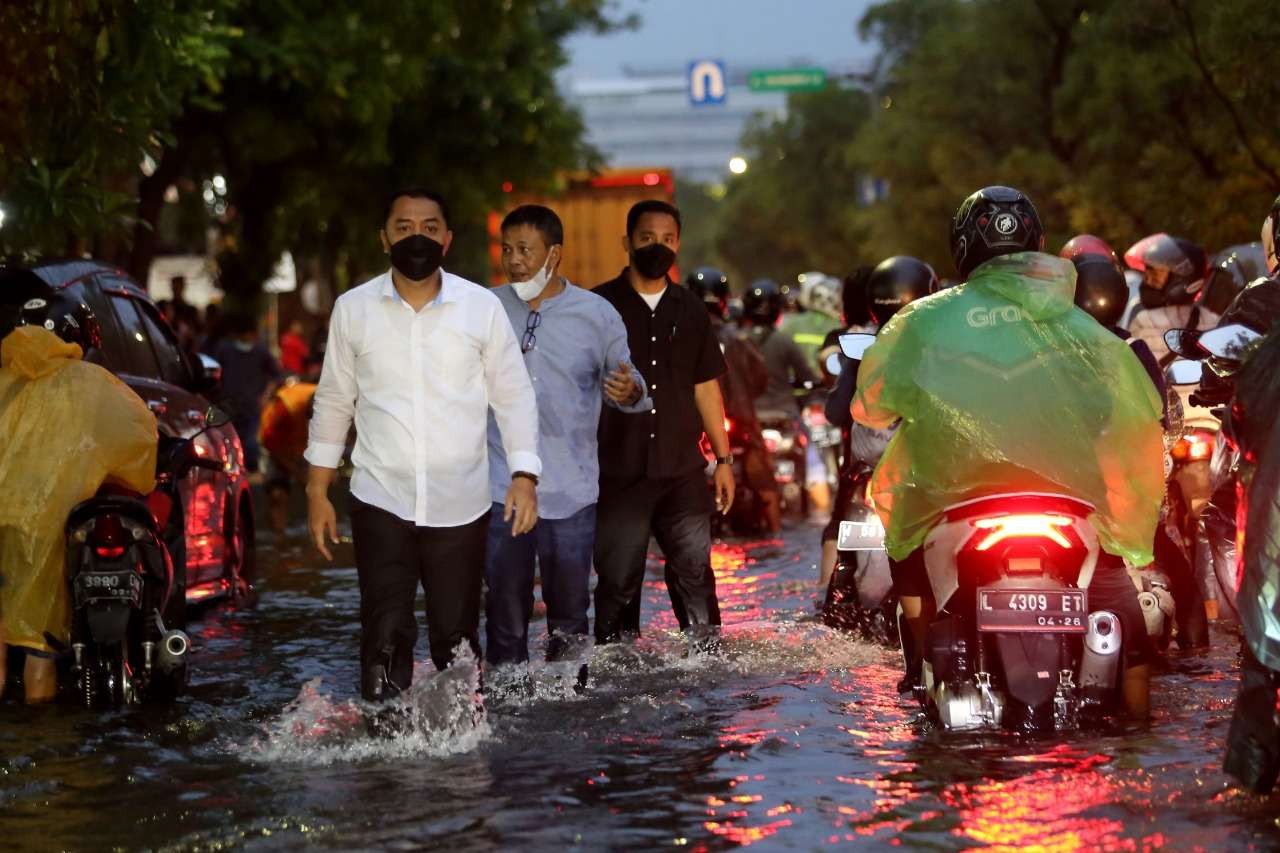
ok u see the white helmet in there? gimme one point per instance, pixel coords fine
(820, 292)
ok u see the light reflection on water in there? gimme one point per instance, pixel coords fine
(793, 737)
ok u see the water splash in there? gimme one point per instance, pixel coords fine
(441, 714)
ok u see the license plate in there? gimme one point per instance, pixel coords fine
(825, 436)
(861, 535)
(784, 470)
(124, 586)
(1053, 611)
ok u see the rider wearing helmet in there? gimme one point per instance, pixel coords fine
(886, 289)
(746, 379)
(104, 432)
(819, 312)
(1173, 272)
(1000, 385)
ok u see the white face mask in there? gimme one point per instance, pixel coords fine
(532, 289)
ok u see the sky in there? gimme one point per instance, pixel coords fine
(673, 33)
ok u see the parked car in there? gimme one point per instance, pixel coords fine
(141, 349)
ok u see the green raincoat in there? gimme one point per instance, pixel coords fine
(1002, 384)
(66, 427)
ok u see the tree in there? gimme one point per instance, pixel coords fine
(793, 209)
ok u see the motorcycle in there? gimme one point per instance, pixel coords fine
(786, 444)
(126, 573)
(746, 516)
(859, 596)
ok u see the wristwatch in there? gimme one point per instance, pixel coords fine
(526, 475)
(724, 460)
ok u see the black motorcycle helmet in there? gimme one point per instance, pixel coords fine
(896, 282)
(994, 221)
(762, 303)
(1184, 261)
(853, 297)
(65, 316)
(712, 287)
(1101, 291)
(1258, 308)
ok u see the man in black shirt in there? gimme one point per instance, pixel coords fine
(651, 471)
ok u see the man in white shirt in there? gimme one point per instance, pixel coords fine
(417, 357)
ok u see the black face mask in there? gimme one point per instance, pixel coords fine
(1152, 297)
(652, 261)
(416, 257)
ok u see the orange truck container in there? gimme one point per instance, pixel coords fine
(593, 208)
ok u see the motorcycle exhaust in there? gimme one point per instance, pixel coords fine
(174, 646)
(1100, 660)
(1153, 614)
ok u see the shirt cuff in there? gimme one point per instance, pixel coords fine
(523, 460)
(324, 455)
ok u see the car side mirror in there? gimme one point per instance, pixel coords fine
(833, 364)
(855, 344)
(216, 417)
(1185, 343)
(1185, 372)
(1228, 342)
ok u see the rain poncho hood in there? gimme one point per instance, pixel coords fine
(1001, 385)
(65, 428)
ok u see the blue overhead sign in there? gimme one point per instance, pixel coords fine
(707, 82)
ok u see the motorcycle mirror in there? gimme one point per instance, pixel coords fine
(216, 417)
(1228, 341)
(855, 344)
(1184, 372)
(1185, 343)
(833, 364)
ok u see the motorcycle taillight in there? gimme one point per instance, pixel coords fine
(993, 531)
(109, 537)
(1195, 446)
(109, 552)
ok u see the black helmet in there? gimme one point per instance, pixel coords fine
(1229, 271)
(994, 221)
(1101, 290)
(65, 316)
(762, 303)
(853, 297)
(1185, 262)
(895, 282)
(711, 286)
(1258, 308)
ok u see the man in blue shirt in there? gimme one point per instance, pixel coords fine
(575, 348)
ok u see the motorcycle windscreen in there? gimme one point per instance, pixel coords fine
(67, 428)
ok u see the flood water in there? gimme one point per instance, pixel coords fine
(793, 737)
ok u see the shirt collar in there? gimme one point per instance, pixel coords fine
(448, 289)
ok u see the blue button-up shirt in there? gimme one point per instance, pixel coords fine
(580, 340)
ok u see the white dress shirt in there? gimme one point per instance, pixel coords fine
(419, 387)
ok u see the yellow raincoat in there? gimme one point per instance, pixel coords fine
(1002, 384)
(65, 428)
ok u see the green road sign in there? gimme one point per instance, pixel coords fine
(788, 80)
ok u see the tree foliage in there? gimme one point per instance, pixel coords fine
(1118, 117)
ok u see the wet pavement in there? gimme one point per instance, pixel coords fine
(792, 738)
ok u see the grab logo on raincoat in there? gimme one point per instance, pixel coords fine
(985, 318)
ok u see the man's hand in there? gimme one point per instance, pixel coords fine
(620, 386)
(521, 508)
(321, 518)
(725, 488)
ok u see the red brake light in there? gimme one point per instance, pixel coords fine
(1196, 446)
(1040, 525)
(109, 552)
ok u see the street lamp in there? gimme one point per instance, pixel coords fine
(737, 165)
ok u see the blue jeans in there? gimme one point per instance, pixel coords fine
(562, 549)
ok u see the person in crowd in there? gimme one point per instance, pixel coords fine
(1001, 385)
(285, 423)
(294, 349)
(416, 358)
(1173, 271)
(250, 375)
(746, 378)
(104, 433)
(651, 471)
(183, 317)
(575, 348)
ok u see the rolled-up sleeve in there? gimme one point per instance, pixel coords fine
(511, 394)
(617, 352)
(335, 398)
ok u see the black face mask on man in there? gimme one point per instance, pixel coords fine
(653, 261)
(416, 257)
(1152, 297)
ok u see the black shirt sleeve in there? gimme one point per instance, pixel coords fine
(710, 359)
(841, 397)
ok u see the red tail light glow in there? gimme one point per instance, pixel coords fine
(1044, 526)
(1195, 446)
(109, 552)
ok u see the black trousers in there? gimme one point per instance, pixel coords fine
(392, 557)
(678, 513)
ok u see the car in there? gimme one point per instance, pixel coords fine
(140, 348)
